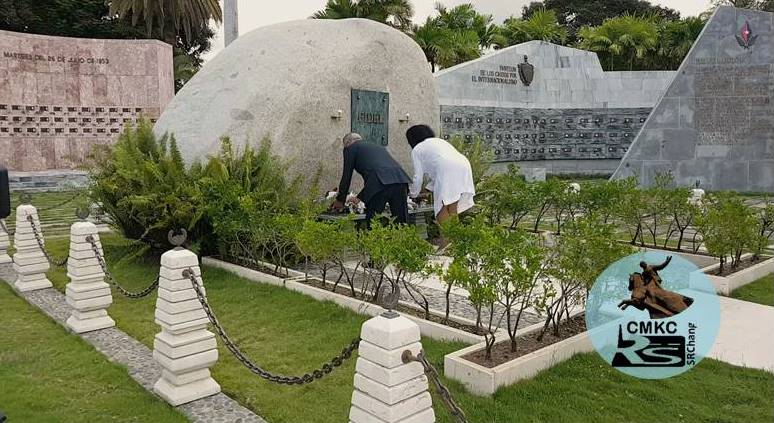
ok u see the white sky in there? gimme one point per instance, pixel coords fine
(255, 13)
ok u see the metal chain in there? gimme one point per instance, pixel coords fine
(39, 239)
(4, 228)
(310, 377)
(443, 392)
(56, 206)
(109, 277)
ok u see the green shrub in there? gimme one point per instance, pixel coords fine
(728, 228)
(236, 203)
(142, 184)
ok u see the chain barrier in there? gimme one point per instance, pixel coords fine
(310, 377)
(64, 203)
(109, 277)
(39, 239)
(443, 391)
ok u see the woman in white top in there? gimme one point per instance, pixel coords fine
(449, 171)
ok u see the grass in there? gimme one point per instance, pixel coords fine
(760, 291)
(56, 210)
(290, 333)
(47, 375)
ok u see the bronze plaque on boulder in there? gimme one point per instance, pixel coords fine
(370, 115)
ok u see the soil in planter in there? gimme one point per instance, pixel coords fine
(501, 352)
(743, 264)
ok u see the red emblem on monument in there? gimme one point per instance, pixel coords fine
(746, 38)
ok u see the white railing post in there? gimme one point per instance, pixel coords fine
(5, 243)
(184, 348)
(87, 293)
(29, 262)
(386, 389)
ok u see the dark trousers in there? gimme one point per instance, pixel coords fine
(396, 195)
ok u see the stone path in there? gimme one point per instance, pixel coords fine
(746, 335)
(122, 348)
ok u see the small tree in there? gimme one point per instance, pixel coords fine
(506, 195)
(514, 265)
(728, 227)
(567, 204)
(545, 194)
(318, 242)
(681, 211)
(601, 198)
(655, 198)
(766, 218)
(399, 254)
(629, 209)
(472, 269)
(587, 247)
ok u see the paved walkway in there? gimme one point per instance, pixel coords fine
(122, 348)
(746, 335)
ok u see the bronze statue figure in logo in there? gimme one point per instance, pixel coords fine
(648, 294)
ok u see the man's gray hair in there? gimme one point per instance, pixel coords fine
(351, 138)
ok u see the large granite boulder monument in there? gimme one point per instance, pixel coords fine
(715, 123)
(304, 85)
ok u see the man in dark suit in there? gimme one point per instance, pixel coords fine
(385, 181)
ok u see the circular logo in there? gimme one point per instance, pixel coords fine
(653, 315)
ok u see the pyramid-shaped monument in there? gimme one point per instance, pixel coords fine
(715, 123)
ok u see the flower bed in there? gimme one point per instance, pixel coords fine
(485, 380)
(746, 274)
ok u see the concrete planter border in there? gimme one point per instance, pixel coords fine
(725, 285)
(482, 380)
(427, 328)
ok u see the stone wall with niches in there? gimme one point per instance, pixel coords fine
(546, 134)
(59, 96)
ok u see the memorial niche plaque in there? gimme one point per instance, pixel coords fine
(370, 115)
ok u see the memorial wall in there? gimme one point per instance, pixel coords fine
(715, 124)
(543, 105)
(61, 96)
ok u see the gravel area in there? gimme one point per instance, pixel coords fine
(122, 348)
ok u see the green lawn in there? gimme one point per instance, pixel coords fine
(760, 291)
(47, 375)
(290, 333)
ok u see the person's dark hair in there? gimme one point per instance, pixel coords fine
(418, 133)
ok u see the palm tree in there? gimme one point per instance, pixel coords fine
(397, 13)
(444, 47)
(171, 18)
(465, 18)
(626, 35)
(677, 38)
(541, 25)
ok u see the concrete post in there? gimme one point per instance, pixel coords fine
(184, 348)
(87, 293)
(29, 262)
(230, 21)
(5, 243)
(386, 390)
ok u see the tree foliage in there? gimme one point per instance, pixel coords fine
(576, 14)
(541, 25)
(397, 13)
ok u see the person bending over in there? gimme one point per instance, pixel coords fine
(449, 171)
(384, 180)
